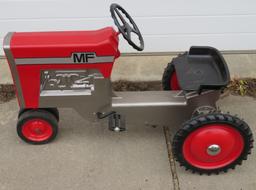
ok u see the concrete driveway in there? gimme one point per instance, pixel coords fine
(84, 156)
(88, 156)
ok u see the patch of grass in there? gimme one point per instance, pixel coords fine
(243, 87)
(136, 86)
(7, 92)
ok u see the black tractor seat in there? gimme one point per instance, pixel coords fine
(201, 68)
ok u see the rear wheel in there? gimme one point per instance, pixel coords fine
(169, 79)
(212, 143)
(37, 126)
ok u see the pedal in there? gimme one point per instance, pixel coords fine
(116, 122)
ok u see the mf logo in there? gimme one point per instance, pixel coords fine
(86, 57)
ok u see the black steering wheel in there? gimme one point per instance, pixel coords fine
(126, 28)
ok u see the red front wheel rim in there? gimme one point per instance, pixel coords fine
(213, 146)
(37, 130)
(174, 85)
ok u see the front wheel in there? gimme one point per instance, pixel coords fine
(212, 143)
(54, 111)
(37, 126)
(169, 79)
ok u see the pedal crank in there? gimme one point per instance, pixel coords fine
(116, 123)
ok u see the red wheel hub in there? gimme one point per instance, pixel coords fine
(174, 85)
(37, 130)
(213, 146)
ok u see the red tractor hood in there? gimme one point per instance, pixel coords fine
(103, 42)
(30, 54)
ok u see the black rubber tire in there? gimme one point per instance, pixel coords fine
(37, 113)
(168, 72)
(22, 110)
(199, 122)
(54, 111)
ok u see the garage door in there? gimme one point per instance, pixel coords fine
(167, 25)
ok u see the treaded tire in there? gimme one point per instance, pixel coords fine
(42, 115)
(167, 76)
(213, 118)
(54, 111)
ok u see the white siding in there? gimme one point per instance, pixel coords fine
(167, 25)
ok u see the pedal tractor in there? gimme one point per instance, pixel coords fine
(72, 69)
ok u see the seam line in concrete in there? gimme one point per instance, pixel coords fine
(175, 178)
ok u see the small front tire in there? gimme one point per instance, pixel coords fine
(37, 126)
(54, 111)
